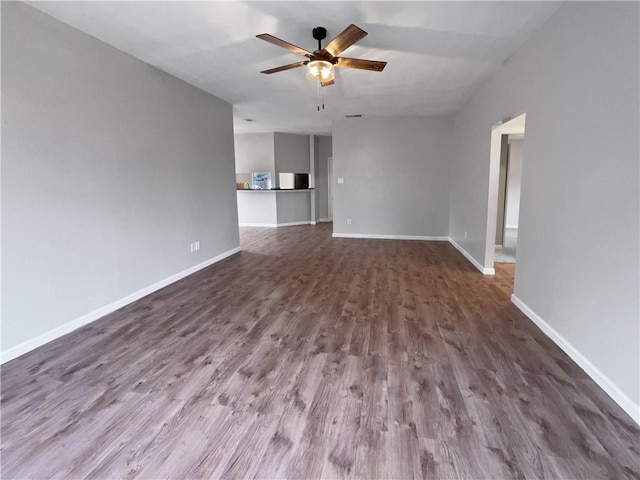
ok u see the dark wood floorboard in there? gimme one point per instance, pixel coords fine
(310, 357)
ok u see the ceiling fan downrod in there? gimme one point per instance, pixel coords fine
(319, 33)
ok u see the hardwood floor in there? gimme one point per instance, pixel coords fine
(311, 357)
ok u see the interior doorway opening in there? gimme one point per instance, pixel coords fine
(507, 152)
(508, 214)
(330, 188)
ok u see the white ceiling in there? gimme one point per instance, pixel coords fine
(437, 52)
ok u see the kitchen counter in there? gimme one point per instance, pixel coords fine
(276, 190)
(275, 207)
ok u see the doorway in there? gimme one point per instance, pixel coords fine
(507, 148)
(509, 198)
(330, 188)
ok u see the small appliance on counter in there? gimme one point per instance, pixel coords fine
(285, 181)
(300, 180)
(261, 180)
(294, 181)
(243, 181)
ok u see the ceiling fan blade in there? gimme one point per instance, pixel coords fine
(348, 37)
(281, 43)
(285, 67)
(326, 84)
(361, 64)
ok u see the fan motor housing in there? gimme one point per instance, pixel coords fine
(319, 33)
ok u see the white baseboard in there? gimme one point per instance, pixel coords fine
(484, 270)
(274, 225)
(388, 237)
(293, 224)
(87, 318)
(325, 220)
(618, 396)
(511, 226)
(266, 225)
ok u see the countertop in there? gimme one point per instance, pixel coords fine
(275, 190)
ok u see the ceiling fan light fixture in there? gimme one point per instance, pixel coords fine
(321, 62)
(320, 70)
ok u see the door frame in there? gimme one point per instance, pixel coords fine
(515, 124)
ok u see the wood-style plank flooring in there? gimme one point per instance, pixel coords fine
(309, 357)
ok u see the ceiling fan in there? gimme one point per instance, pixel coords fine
(321, 62)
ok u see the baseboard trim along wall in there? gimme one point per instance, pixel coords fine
(389, 237)
(325, 220)
(293, 224)
(274, 225)
(484, 270)
(69, 327)
(618, 396)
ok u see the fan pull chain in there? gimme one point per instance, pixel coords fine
(318, 95)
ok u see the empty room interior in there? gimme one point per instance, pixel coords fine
(318, 240)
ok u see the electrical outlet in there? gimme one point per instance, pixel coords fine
(340, 180)
(348, 221)
(197, 245)
(465, 235)
(192, 247)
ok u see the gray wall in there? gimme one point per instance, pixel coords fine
(294, 206)
(275, 153)
(395, 174)
(291, 153)
(271, 152)
(110, 169)
(324, 151)
(255, 152)
(514, 179)
(316, 175)
(577, 80)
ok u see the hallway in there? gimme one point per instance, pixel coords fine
(507, 254)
